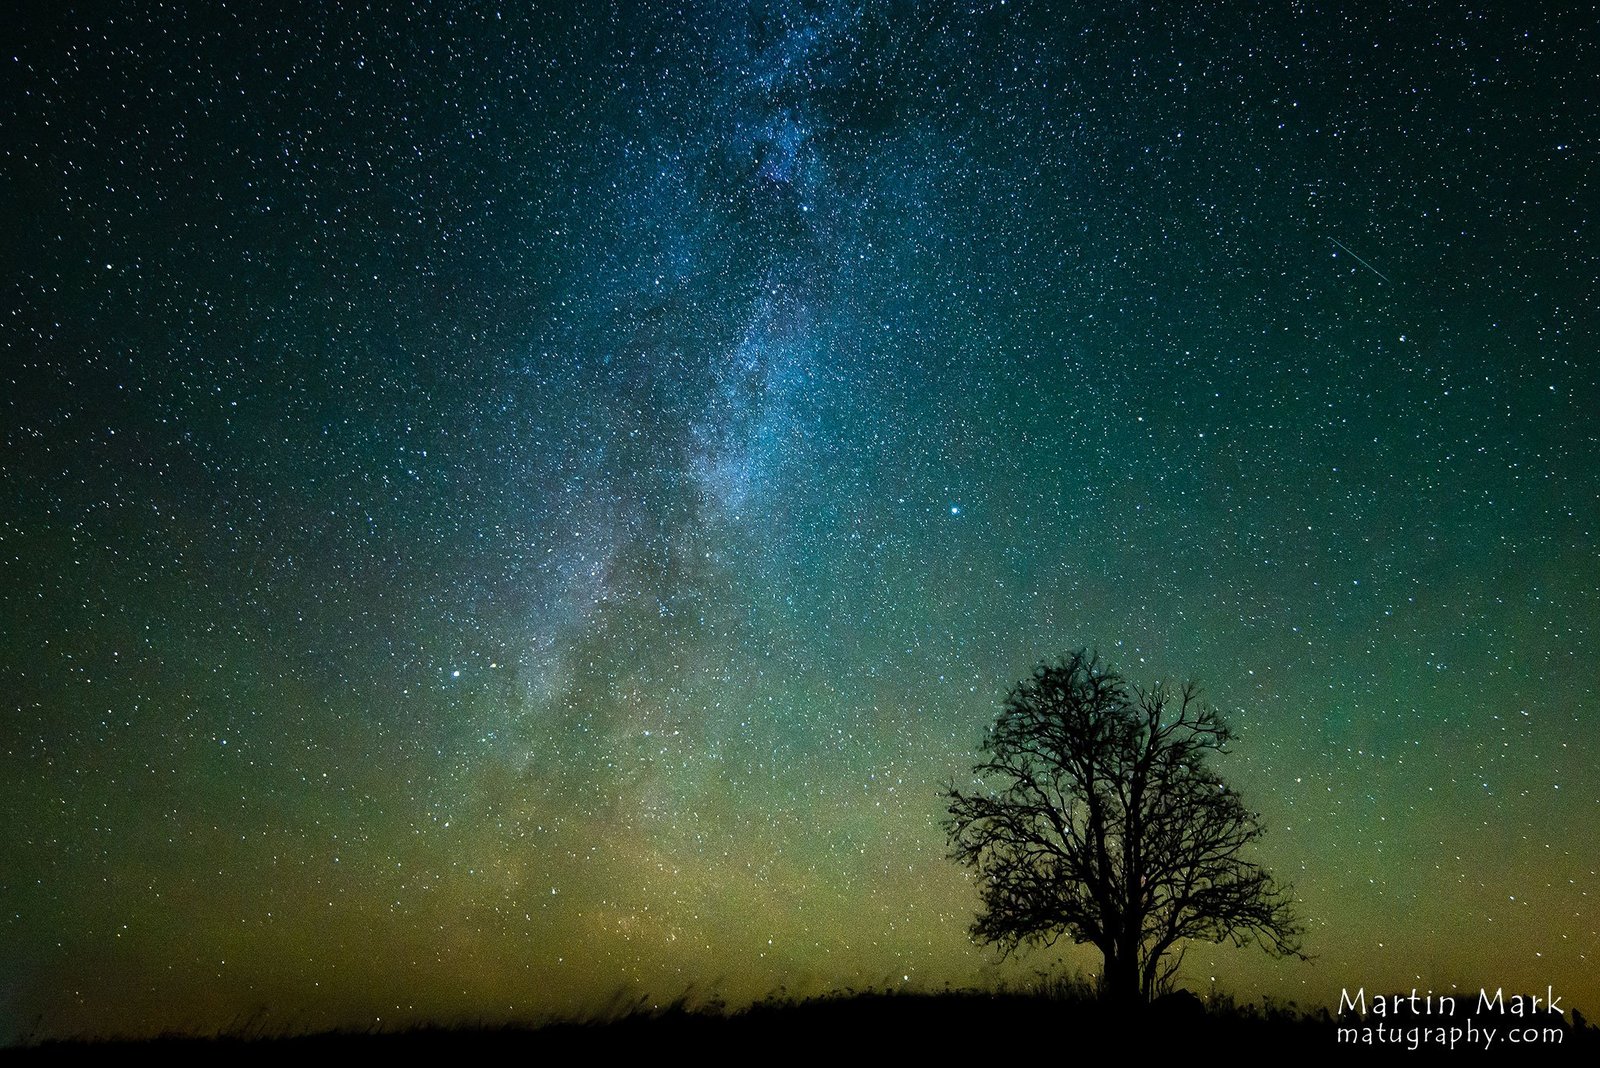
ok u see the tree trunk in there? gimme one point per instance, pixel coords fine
(1120, 983)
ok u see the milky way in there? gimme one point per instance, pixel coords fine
(509, 510)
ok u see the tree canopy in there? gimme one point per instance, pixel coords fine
(1095, 815)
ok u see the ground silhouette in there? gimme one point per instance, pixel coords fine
(1059, 1020)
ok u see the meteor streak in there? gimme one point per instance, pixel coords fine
(1359, 260)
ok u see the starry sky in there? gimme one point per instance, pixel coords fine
(509, 508)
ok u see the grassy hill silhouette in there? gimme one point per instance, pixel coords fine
(1064, 1021)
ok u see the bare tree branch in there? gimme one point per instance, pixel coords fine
(1100, 821)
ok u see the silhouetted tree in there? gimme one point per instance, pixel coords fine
(1098, 819)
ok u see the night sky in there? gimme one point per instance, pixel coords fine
(507, 509)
